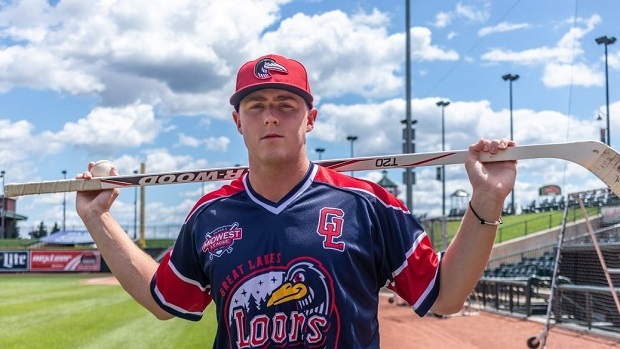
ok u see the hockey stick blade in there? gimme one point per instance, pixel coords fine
(596, 157)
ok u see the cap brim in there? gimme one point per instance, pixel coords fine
(236, 98)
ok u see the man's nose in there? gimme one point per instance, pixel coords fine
(271, 115)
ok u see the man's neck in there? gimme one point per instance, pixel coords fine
(273, 182)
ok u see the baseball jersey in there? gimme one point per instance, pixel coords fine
(302, 272)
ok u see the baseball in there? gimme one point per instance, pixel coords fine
(102, 168)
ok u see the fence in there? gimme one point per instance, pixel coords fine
(160, 231)
(521, 283)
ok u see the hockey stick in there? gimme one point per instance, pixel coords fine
(596, 157)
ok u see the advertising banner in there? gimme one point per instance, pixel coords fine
(69, 260)
(610, 215)
(551, 189)
(13, 261)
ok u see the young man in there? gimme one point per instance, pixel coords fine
(293, 254)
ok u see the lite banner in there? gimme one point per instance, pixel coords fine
(13, 261)
(69, 260)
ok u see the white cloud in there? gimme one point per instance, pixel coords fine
(559, 75)
(211, 143)
(468, 12)
(106, 129)
(502, 27)
(422, 49)
(442, 19)
(562, 63)
(529, 57)
(613, 60)
(41, 69)
(188, 141)
(376, 124)
(160, 160)
(472, 13)
(217, 143)
(13, 148)
(364, 58)
(179, 54)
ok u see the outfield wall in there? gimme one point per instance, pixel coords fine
(57, 260)
(50, 261)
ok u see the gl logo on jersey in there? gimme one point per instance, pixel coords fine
(221, 240)
(330, 227)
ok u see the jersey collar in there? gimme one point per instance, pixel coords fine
(277, 207)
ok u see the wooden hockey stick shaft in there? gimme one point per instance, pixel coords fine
(596, 157)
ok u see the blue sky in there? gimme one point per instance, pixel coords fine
(148, 81)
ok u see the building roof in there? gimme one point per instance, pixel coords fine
(386, 182)
(12, 215)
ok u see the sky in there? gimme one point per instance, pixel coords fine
(149, 81)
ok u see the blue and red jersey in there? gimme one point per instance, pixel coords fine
(302, 272)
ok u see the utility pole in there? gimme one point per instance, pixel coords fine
(510, 78)
(352, 139)
(408, 148)
(604, 40)
(320, 151)
(64, 205)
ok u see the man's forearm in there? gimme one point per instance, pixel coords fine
(131, 266)
(467, 256)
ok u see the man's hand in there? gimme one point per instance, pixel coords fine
(94, 202)
(491, 180)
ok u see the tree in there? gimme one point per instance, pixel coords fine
(55, 228)
(41, 232)
(13, 230)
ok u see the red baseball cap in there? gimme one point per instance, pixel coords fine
(272, 71)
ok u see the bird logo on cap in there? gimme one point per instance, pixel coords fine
(265, 66)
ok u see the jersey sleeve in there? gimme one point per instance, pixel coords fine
(412, 263)
(180, 286)
(405, 260)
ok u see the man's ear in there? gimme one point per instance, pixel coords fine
(237, 120)
(310, 119)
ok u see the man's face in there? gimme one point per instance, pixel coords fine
(274, 124)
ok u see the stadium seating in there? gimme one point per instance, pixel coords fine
(528, 267)
(592, 198)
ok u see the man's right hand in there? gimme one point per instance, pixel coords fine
(94, 201)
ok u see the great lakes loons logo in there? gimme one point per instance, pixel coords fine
(221, 240)
(270, 305)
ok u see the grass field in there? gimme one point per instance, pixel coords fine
(59, 311)
(525, 224)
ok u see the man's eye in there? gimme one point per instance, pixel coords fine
(256, 106)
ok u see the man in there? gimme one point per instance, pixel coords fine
(293, 254)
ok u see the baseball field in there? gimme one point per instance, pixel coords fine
(72, 311)
(91, 311)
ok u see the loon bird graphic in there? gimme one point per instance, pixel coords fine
(306, 285)
(263, 69)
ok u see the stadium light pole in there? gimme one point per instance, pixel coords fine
(408, 139)
(604, 40)
(64, 205)
(351, 139)
(135, 208)
(510, 78)
(2, 174)
(443, 104)
(320, 152)
(603, 129)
